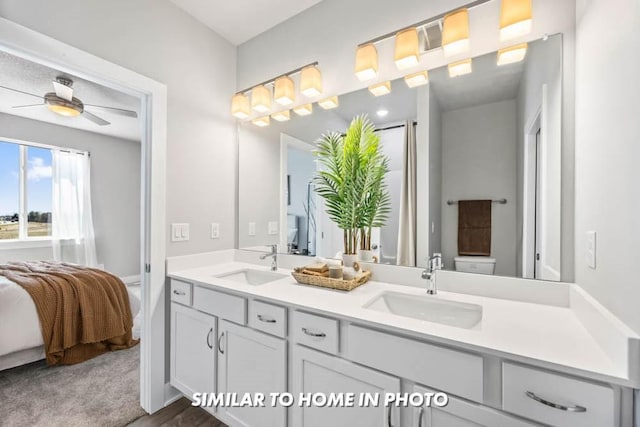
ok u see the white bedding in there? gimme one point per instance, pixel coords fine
(19, 323)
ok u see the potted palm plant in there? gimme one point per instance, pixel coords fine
(352, 183)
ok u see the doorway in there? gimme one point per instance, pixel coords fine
(30, 45)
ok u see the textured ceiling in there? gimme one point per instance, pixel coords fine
(241, 20)
(37, 79)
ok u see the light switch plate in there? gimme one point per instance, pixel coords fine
(273, 228)
(590, 252)
(252, 229)
(215, 230)
(179, 232)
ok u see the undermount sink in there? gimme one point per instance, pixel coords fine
(249, 276)
(431, 309)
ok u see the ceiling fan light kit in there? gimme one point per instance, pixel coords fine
(63, 103)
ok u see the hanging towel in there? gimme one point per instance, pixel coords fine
(474, 227)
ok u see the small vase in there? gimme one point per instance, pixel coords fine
(349, 259)
(366, 255)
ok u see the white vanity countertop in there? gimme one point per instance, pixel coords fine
(544, 335)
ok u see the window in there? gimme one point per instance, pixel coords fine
(26, 190)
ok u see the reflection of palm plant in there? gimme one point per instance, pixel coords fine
(352, 182)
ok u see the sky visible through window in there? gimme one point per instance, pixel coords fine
(39, 184)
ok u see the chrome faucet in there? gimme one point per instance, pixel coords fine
(435, 263)
(274, 257)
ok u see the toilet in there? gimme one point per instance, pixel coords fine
(475, 264)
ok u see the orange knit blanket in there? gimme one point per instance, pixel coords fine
(83, 312)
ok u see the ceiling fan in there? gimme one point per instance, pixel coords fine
(62, 102)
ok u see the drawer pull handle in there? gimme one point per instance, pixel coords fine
(176, 292)
(266, 319)
(209, 339)
(220, 343)
(420, 416)
(538, 399)
(314, 334)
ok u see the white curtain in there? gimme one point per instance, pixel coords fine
(72, 229)
(407, 226)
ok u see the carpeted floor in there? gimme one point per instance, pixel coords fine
(103, 391)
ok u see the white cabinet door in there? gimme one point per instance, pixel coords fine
(462, 413)
(316, 372)
(251, 362)
(193, 357)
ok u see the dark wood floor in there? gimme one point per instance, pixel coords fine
(179, 414)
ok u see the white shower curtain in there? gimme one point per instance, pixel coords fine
(72, 229)
(407, 225)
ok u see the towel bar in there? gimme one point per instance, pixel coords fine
(501, 201)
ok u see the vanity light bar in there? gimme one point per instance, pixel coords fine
(512, 54)
(303, 110)
(417, 79)
(460, 68)
(261, 121)
(281, 116)
(329, 103)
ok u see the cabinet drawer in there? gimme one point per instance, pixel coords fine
(315, 331)
(268, 318)
(556, 399)
(181, 292)
(219, 304)
(443, 369)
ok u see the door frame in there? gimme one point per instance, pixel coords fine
(33, 46)
(529, 194)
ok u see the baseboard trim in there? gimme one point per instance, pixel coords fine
(170, 394)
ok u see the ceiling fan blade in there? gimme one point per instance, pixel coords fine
(20, 91)
(27, 106)
(63, 91)
(119, 111)
(95, 119)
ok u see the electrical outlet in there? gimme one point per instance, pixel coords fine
(252, 229)
(273, 228)
(590, 253)
(215, 230)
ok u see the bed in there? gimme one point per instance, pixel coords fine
(20, 336)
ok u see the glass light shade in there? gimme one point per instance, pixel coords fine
(329, 103)
(417, 79)
(63, 110)
(455, 33)
(460, 68)
(366, 62)
(407, 53)
(310, 81)
(284, 91)
(515, 19)
(261, 99)
(281, 116)
(380, 88)
(303, 110)
(261, 121)
(512, 54)
(240, 107)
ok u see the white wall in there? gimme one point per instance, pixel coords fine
(392, 146)
(433, 222)
(478, 162)
(608, 151)
(157, 39)
(115, 191)
(327, 33)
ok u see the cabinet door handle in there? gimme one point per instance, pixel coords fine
(209, 339)
(420, 416)
(389, 408)
(220, 343)
(575, 408)
(177, 292)
(314, 334)
(266, 319)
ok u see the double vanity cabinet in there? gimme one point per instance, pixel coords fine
(229, 341)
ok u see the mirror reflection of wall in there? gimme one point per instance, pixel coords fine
(494, 134)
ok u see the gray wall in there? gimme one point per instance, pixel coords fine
(478, 162)
(115, 191)
(434, 221)
(607, 153)
(157, 39)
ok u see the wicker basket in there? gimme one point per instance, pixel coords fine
(326, 282)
